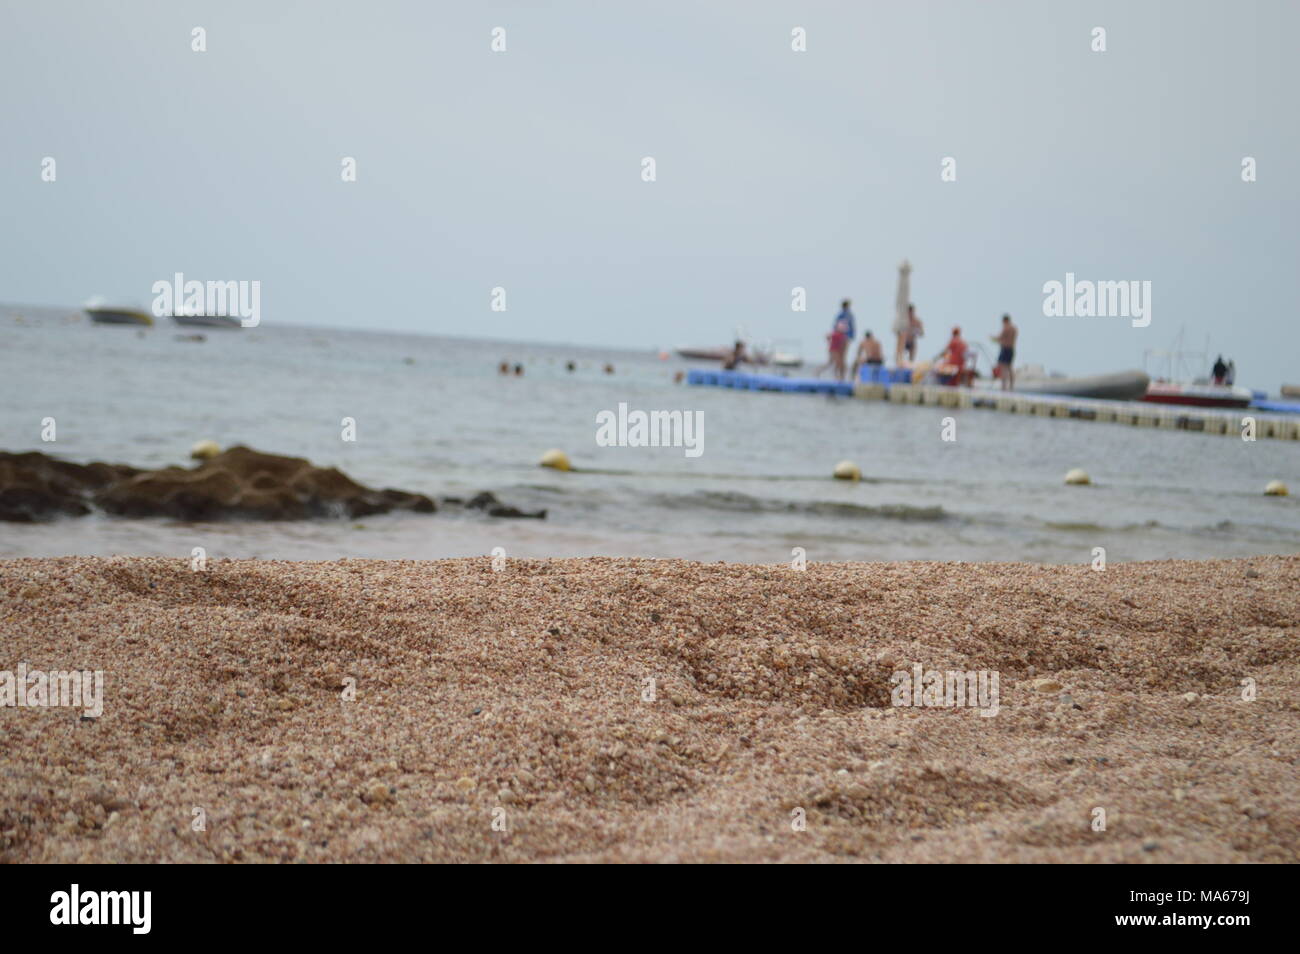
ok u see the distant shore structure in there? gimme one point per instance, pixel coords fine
(207, 321)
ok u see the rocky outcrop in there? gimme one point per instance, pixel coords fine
(34, 486)
(489, 504)
(246, 483)
(239, 483)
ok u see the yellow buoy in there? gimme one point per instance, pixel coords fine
(847, 470)
(1275, 488)
(205, 450)
(555, 459)
(1078, 476)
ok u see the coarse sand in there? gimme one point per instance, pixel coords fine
(651, 710)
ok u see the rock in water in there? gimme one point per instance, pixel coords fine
(238, 483)
(242, 482)
(34, 486)
(489, 504)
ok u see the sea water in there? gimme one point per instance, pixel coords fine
(433, 415)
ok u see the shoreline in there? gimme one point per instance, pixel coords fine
(520, 698)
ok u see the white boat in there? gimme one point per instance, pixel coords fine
(754, 354)
(1178, 386)
(704, 354)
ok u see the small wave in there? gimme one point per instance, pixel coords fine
(1087, 527)
(736, 502)
(701, 475)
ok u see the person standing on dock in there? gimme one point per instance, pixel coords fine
(845, 316)
(841, 334)
(837, 346)
(1006, 339)
(1220, 370)
(915, 330)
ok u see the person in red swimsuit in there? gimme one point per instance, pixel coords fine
(956, 357)
(837, 345)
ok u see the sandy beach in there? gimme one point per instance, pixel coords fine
(510, 715)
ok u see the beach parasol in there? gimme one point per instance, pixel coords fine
(903, 298)
(900, 311)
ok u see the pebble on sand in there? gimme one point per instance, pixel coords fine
(377, 793)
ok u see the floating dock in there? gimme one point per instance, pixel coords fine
(1284, 407)
(766, 382)
(894, 384)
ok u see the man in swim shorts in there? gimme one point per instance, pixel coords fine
(1007, 353)
(869, 352)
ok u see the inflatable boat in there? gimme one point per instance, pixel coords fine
(1119, 386)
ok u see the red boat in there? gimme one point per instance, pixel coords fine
(1197, 395)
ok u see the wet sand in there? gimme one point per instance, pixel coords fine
(521, 700)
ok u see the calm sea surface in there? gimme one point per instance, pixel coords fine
(432, 415)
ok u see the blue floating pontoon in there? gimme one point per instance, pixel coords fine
(1282, 407)
(708, 377)
(879, 374)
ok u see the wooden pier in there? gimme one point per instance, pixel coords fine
(1206, 420)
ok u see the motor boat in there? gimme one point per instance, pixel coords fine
(704, 354)
(755, 356)
(119, 316)
(1198, 394)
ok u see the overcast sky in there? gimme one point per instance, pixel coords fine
(775, 168)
